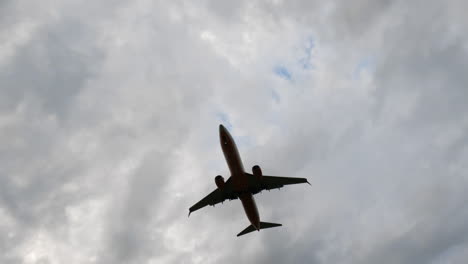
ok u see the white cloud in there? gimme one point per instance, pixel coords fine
(109, 115)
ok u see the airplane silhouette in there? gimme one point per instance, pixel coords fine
(242, 185)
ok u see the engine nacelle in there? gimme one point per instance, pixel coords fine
(257, 172)
(219, 180)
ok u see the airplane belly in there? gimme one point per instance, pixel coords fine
(250, 209)
(240, 182)
(239, 178)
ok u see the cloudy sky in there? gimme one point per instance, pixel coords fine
(109, 115)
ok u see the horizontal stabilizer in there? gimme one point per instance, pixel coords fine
(249, 229)
(263, 225)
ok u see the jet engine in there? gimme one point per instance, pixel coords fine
(219, 180)
(257, 172)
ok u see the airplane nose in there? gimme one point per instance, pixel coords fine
(223, 135)
(221, 128)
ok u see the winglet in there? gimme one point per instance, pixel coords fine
(189, 213)
(308, 182)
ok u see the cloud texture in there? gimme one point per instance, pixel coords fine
(109, 114)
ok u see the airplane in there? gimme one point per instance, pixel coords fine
(242, 185)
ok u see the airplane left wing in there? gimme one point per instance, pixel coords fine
(215, 197)
(272, 182)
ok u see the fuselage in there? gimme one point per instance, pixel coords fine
(238, 177)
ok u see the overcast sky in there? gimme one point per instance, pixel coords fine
(109, 115)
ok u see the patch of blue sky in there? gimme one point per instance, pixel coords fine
(282, 72)
(275, 96)
(365, 64)
(291, 71)
(306, 60)
(241, 141)
(224, 119)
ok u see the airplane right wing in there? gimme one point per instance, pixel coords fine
(215, 197)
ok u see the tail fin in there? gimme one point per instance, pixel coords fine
(263, 225)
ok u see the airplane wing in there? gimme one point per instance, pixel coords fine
(272, 182)
(215, 197)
